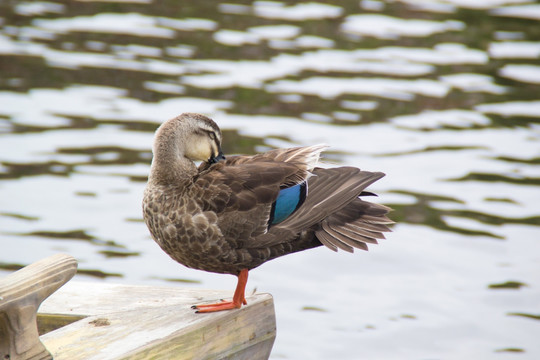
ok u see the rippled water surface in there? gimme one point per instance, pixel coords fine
(442, 96)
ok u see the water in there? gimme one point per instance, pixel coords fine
(442, 96)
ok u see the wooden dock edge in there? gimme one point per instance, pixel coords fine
(21, 294)
(112, 321)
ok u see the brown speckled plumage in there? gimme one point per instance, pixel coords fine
(216, 217)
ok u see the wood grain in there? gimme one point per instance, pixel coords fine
(144, 322)
(21, 294)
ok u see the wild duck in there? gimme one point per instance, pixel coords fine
(230, 215)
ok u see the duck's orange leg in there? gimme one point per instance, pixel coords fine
(237, 301)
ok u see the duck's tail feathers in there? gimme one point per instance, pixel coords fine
(356, 225)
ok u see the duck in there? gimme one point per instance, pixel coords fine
(231, 214)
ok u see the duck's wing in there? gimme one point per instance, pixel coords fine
(243, 189)
(305, 158)
(331, 190)
(335, 212)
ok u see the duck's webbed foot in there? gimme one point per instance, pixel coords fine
(224, 305)
(237, 301)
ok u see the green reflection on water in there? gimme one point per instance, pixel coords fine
(20, 216)
(97, 273)
(508, 285)
(510, 350)
(88, 272)
(519, 180)
(179, 280)
(118, 254)
(525, 315)
(432, 149)
(81, 235)
(423, 212)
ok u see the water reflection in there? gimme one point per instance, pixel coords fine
(440, 95)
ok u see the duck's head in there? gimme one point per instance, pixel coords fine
(194, 136)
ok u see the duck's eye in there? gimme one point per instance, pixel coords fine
(212, 136)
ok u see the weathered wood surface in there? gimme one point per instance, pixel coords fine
(144, 322)
(21, 293)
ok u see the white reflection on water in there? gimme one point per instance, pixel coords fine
(386, 27)
(431, 119)
(514, 50)
(440, 54)
(473, 83)
(137, 50)
(329, 87)
(235, 38)
(166, 88)
(521, 72)
(511, 108)
(359, 105)
(46, 107)
(133, 24)
(309, 41)
(257, 34)
(386, 60)
(38, 8)
(451, 4)
(435, 273)
(302, 11)
(275, 31)
(124, 58)
(530, 11)
(180, 50)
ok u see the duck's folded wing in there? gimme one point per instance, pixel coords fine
(329, 191)
(241, 183)
(242, 194)
(305, 158)
(332, 209)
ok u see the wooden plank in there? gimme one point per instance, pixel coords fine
(21, 293)
(143, 322)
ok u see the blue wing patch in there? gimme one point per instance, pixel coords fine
(288, 200)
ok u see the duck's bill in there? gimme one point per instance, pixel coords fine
(214, 159)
